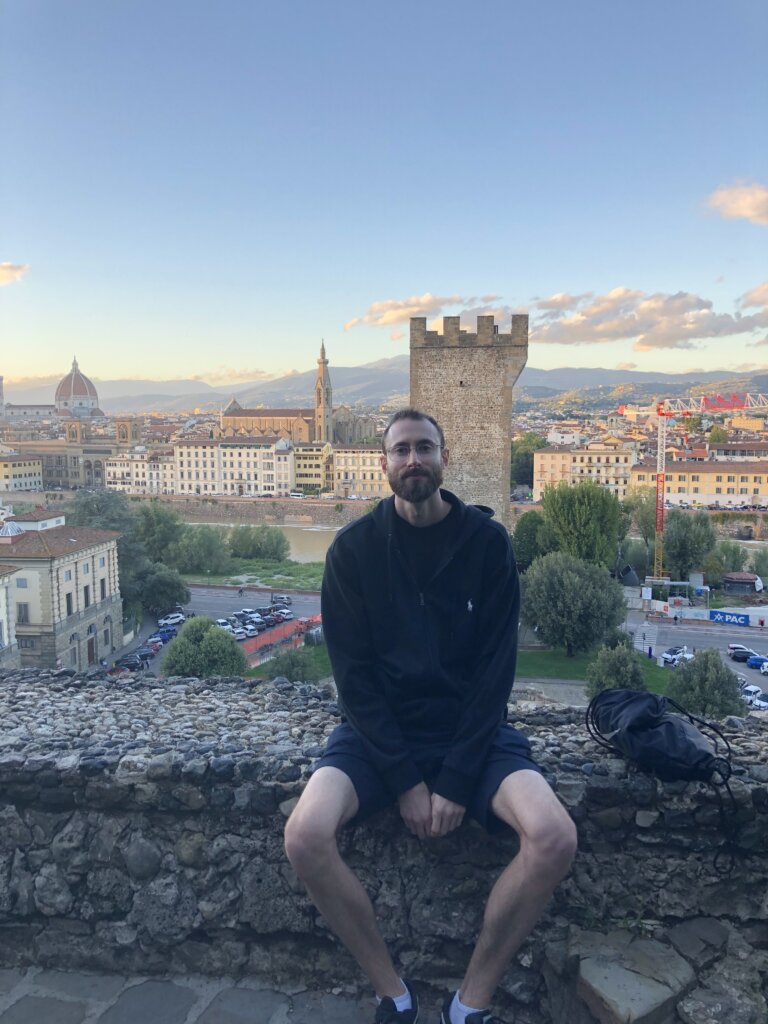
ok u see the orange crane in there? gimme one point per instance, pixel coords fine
(671, 408)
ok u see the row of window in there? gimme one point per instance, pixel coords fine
(696, 478)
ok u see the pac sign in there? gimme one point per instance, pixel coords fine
(729, 618)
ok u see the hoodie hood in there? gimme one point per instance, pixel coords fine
(472, 517)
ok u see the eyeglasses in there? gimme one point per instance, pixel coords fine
(424, 450)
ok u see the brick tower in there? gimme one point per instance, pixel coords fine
(323, 400)
(465, 381)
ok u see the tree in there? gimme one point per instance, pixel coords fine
(636, 554)
(615, 667)
(267, 542)
(522, 457)
(162, 588)
(296, 664)
(111, 510)
(200, 549)
(726, 556)
(760, 562)
(705, 686)
(688, 539)
(158, 527)
(525, 540)
(640, 502)
(202, 649)
(718, 435)
(572, 603)
(583, 520)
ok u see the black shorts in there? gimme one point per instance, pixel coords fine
(509, 752)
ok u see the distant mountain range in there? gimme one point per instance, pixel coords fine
(386, 381)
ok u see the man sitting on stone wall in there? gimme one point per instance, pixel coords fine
(420, 606)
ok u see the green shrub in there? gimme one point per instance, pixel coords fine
(617, 667)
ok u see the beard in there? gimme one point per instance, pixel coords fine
(415, 485)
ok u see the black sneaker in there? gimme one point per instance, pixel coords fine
(388, 1013)
(480, 1017)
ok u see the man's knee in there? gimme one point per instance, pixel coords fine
(551, 844)
(310, 834)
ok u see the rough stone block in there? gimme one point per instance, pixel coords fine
(245, 1005)
(40, 1010)
(152, 1001)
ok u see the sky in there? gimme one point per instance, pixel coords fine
(207, 188)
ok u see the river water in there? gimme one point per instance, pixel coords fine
(308, 543)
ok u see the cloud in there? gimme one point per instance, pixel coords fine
(755, 297)
(33, 382)
(560, 301)
(741, 201)
(657, 321)
(397, 335)
(400, 311)
(10, 272)
(231, 375)
(626, 366)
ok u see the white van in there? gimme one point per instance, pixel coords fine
(296, 494)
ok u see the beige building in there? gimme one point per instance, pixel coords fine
(20, 473)
(708, 483)
(142, 472)
(357, 471)
(313, 466)
(65, 590)
(255, 466)
(9, 651)
(607, 462)
(79, 459)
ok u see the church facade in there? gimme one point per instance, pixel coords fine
(320, 425)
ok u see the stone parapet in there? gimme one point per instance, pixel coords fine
(141, 831)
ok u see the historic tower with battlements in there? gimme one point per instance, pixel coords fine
(465, 381)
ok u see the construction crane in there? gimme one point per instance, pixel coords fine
(672, 408)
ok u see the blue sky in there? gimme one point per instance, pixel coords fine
(209, 188)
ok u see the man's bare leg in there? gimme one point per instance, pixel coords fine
(328, 802)
(547, 845)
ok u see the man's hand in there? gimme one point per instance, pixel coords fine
(446, 816)
(416, 810)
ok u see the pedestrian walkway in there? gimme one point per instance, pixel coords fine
(38, 996)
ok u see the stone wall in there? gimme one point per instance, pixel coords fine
(141, 831)
(465, 381)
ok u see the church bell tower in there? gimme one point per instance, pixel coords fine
(323, 400)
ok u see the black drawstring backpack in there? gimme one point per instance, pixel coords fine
(661, 737)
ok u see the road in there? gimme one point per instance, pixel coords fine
(221, 602)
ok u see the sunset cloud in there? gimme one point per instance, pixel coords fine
(397, 335)
(234, 375)
(658, 321)
(11, 272)
(745, 201)
(400, 311)
(626, 366)
(755, 297)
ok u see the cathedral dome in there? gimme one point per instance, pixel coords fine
(75, 386)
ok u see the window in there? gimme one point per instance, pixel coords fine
(22, 583)
(718, 490)
(22, 613)
(70, 606)
(26, 642)
(102, 588)
(106, 638)
(86, 596)
(695, 477)
(86, 568)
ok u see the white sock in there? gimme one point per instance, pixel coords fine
(402, 1002)
(459, 1012)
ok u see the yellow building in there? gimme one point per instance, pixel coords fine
(607, 462)
(727, 484)
(66, 590)
(20, 473)
(314, 467)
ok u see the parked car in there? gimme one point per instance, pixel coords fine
(174, 619)
(749, 692)
(167, 632)
(286, 614)
(672, 655)
(282, 599)
(239, 633)
(250, 630)
(224, 624)
(755, 698)
(269, 619)
(249, 611)
(738, 647)
(157, 639)
(756, 660)
(146, 651)
(742, 654)
(131, 662)
(764, 668)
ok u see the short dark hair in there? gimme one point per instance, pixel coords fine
(410, 413)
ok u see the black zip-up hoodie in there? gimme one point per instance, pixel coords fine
(419, 668)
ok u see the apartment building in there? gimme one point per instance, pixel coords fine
(357, 471)
(65, 590)
(9, 651)
(607, 462)
(313, 467)
(142, 472)
(20, 472)
(708, 483)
